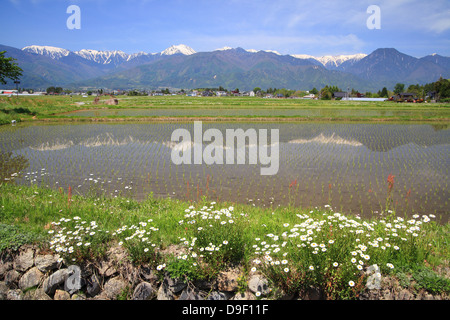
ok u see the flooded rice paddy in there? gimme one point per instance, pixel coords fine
(229, 111)
(345, 165)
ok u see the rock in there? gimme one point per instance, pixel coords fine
(144, 291)
(37, 294)
(205, 285)
(228, 281)
(24, 261)
(386, 295)
(11, 277)
(5, 266)
(405, 295)
(61, 295)
(74, 281)
(107, 269)
(115, 256)
(175, 285)
(370, 295)
(56, 279)
(164, 292)
(93, 286)
(217, 295)
(191, 294)
(30, 279)
(15, 294)
(247, 295)
(149, 275)
(113, 288)
(313, 293)
(78, 296)
(3, 290)
(46, 262)
(259, 284)
(428, 297)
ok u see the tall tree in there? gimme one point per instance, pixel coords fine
(51, 89)
(8, 68)
(442, 87)
(399, 87)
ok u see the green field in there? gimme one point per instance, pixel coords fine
(48, 108)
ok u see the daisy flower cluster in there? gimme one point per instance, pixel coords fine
(216, 234)
(140, 232)
(139, 239)
(329, 243)
(74, 236)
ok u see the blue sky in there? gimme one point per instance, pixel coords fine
(414, 27)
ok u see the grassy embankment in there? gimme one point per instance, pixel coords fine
(295, 248)
(53, 108)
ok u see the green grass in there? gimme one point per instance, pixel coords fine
(13, 237)
(293, 247)
(54, 108)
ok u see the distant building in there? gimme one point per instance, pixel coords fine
(432, 95)
(221, 93)
(8, 92)
(207, 93)
(405, 96)
(340, 95)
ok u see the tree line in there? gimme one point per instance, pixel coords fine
(439, 90)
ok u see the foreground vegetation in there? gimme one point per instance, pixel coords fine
(37, 108)
(294, 248)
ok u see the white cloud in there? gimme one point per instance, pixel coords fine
(315, 44)
(439, 22)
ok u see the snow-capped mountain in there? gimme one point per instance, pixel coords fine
(224, 49)
(334, 62)
(118, 57)
(179, 49)
(52, 52)
(115, 57)
(229, 67)
(104, 57)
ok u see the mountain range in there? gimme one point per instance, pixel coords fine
(180, 66)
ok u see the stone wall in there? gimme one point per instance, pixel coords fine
(33, 274)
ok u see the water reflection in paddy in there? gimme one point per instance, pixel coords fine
(345, 165)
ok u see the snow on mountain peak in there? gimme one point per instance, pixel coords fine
(224, 49)
(178, 49)
(339, 59)
(102, 57)
(52, 52)
(273, 51)
(303, 56)
(117, 57)
(330, 60)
